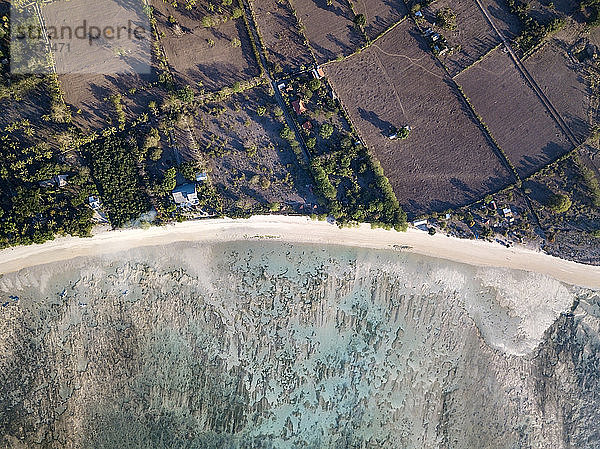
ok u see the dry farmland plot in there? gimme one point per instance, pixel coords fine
(380, 14)
(516, 117)
(473, 33)
(329, 29)
(564, 86)
(284, 42)
(446, 161)
(88, 97)
(205, 57)
(249, 162)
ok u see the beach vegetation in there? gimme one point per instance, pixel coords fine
(113, 161)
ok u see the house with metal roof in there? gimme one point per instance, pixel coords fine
(185, 195)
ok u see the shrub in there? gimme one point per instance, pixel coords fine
(314, 84)
(326, 130)
(559, 203)
(186, 94)
(286, 133)
(207, 22)
(446, 18)
(237, 13)
(360, 20)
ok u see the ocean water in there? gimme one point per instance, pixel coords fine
(261, 344)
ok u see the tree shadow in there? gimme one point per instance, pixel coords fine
(384, 126)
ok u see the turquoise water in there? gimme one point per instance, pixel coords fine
(264, 344)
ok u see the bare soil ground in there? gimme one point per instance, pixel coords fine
(473, 33)
(507, 23)
(563, 81)
(446, 161)
(286, 46)
(329, 29)
(248, 161)
(87, 95)
(205, 58)
(514, 114)
(380, 14)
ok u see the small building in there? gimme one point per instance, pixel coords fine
(299, 107)
(493, 205)
(418, 14)
(201, 176)
(47, 183)
(281, 86)
(185, 195)
(507, 212)
(61, 180)
(418, 223)
(58, 180)
(448, 216)
(94, 202)
(307, 125)
(318, 73)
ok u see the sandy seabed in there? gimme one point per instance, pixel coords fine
(280, 332)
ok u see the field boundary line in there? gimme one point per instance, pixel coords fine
(242, 6)
(478, 60)
(531, 81)
(536, 49)
(367, 45)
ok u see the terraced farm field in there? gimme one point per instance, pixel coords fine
(446, 161)
(380, 14)
(564, 83)
(279, 30)
(88, 96)
(473, 34)
(205, 53)
(516, 117)
(328, 28)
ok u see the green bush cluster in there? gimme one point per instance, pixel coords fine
(114, 167)
(559, 203)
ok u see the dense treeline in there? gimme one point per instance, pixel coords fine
(30, 213)
(348, 178)
(114, 161)
(363, 193)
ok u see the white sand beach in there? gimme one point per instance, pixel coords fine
(295, 229)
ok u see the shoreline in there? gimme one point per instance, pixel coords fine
(300, 229)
